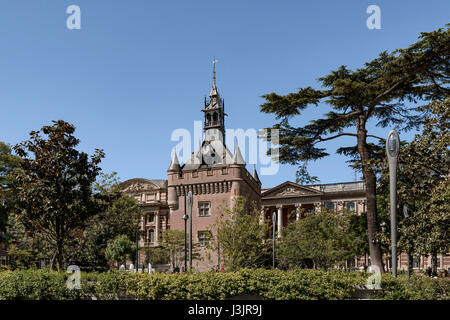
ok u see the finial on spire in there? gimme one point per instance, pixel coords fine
(214, 72)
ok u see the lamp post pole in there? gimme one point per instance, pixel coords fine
(185, 218)
(274, 219)
(137, 247)
(189, 204)
(148, 253)
(392, 150)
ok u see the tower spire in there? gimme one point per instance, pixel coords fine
(214, 88)
(214, 72)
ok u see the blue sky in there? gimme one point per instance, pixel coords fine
(137, 70)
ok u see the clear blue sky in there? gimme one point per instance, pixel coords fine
(139, 69)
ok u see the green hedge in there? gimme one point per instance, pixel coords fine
(416, 288)
(36, 285)
(269, 284)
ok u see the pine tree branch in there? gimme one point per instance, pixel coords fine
(381, 96)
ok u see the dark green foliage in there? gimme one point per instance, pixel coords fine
(120, 218)
(8, 163)
(270, 284)
(241, 237)
(385, 90)
(323, 238)
(118, 249)
(416, 288)
(53, 193)
(423, 185)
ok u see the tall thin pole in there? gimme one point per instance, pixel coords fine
(137, 246)
(185, 244)
(392, 150)
(189, 200)
(185, 217)
(274, 219)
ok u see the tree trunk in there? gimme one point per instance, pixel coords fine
(371, 181)
(52, 261)
(59, 256)
(434, 264)
(410, 267)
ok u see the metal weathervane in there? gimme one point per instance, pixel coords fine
(392, 150)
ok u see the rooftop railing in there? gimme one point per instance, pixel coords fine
(343, 186)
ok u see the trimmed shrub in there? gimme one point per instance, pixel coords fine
(416, 288)
(269, 284)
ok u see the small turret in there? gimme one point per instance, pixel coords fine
(237, 156)
(255, 175)
(175, 164)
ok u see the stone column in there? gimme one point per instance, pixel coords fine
(298, 208)
(262, 216)
(280, 219)
(157, 228)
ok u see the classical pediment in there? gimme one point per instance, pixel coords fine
(139, 185)
(290, 189)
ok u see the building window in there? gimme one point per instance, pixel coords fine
(151, 236)
(203, 209)
(204, 237)
(150, 217)
(416, 263)
(350, 206)
(438, 263)
(329, 205)
(150, 197)
(209, 172)
(224, 170)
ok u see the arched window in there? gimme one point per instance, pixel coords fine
(208, 118)
(215, 117)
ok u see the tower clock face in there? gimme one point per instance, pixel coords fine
(210, 155)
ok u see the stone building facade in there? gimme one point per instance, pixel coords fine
(216, 176)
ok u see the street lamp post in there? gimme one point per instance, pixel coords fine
(392, 150)
(274, 220)
(137, 246)
(189, 205)
(148, 253)
(185, 218)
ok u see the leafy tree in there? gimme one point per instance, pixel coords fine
(357, 230)
(157, 255)
(321, 238)
(53, 194)
(172, 241)
(378, 92)
(303, 177)
(423, 185)
(118, 249)
(121, 217)
(240, 236)
(8, 162)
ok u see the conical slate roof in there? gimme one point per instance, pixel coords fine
(255, 174)
(237, 157)
(175, 164)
